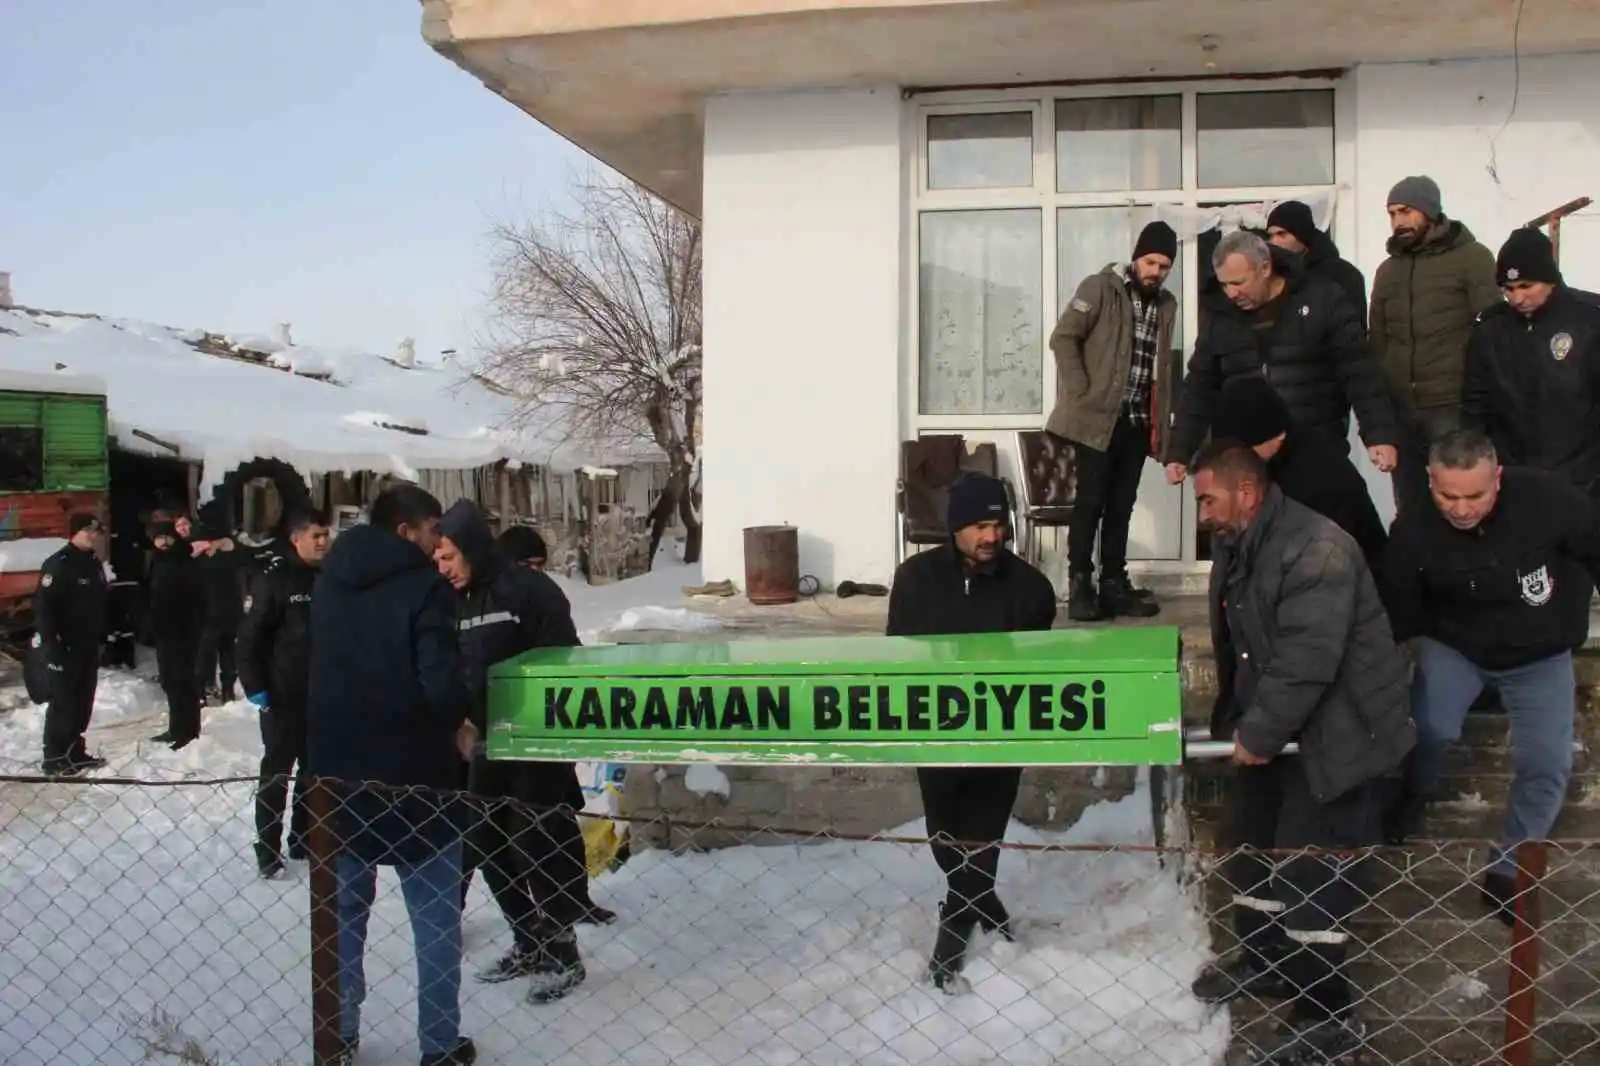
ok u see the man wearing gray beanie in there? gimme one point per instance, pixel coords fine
(1425, 297)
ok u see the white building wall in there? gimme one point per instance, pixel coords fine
(803, 233)
(1499, 162)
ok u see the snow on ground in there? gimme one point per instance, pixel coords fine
(120, 904)
(637, 603)
(226, 411)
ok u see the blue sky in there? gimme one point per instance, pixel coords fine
(233, 165)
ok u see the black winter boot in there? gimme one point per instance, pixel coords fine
(1083, 602)
(993, 917)
(465, 1053)
(1499, 893)
(1119, 599)
(559, 969)
(950, 951)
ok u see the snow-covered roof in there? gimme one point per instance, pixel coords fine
(223, 401)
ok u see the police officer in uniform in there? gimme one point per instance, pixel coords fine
(69, 628)
(973, 584)
(1533, 367)
(274, 650)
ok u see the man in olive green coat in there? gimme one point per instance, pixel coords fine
(1425, 297)
(1113, 347)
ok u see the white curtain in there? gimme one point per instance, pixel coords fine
(980, 316)
(1121, 142)
(1190, 222)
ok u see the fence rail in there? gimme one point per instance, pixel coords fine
(136, 929)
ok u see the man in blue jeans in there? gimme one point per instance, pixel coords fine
(1493, 582)
(387, 721)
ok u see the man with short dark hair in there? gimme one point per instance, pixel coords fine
(1262, 314)
(1112, 346)
(1533, 367)
(1307, 468)
(526, 837)
(1303, 653)
(388, 725)
(69, 623)
(524, 547)
(973, 584)
(1290, 226)
(275, 666)
(1491, 583)
(1425, 297)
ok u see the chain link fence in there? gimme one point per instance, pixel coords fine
(137, 928)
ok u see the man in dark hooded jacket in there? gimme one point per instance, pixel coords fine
(526, 835)
(973, 584)
(1291, 227)
(387, 720)
(222, 573)
(1308, 469)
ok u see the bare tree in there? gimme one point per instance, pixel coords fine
(597, 316)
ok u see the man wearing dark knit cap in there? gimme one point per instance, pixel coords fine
(1533, 367)
(1307, 467)
(1291, 227)
(973, 584)
(1114, 381)
(1425, 297)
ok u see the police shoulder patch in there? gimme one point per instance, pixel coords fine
(47, 580)
(1080, 305)
(248, 600)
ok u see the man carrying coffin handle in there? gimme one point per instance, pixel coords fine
(1304, 653)
(973, 584)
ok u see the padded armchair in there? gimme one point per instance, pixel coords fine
(1049, 486)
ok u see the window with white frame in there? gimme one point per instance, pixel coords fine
(1003, 177)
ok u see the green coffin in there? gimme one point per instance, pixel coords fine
(1070, 697)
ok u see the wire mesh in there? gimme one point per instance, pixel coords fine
(138, 928)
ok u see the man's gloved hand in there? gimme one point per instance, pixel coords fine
(258, 700)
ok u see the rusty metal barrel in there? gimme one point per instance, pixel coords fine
(771, 564)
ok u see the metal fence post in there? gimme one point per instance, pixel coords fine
(1523, 971)
(321, 849)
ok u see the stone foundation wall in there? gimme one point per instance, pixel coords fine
(843, 800)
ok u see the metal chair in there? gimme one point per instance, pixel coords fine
(1049, 486)
(928, 467)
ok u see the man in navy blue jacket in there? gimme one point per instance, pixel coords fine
(526, 835)
(387, 719)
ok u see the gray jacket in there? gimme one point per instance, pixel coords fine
(1304, 650)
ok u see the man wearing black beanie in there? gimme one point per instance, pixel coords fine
(1307, 468)
(1532, 379)
(1291, 227)
(973, 584)
(1115, 374)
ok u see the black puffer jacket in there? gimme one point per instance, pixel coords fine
(1317, 361)
(1533, 385)
(387, 695)
(1304, 650)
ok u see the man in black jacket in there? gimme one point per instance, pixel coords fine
(222, 574)
(176, 614)
(523, 546)
(526, 837)
(69, 622)
(388, 720)
(1304, 653)
(1492, 582)
(1264, 315)
(275, 666)
(1307, 468)
(1291, 227)
(1532, 379)
(974, 584)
